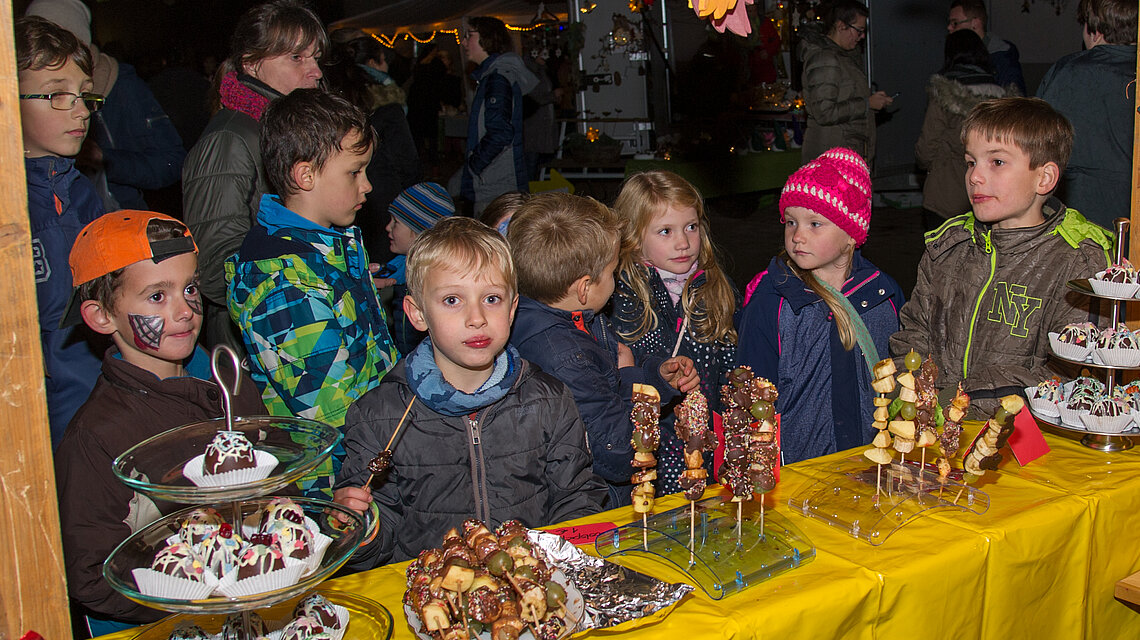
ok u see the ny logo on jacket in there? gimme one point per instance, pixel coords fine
(1011, 306)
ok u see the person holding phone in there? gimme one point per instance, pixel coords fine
(837, 97)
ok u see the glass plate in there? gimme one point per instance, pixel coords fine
(139, 550)
(154, 466)
(368, 619)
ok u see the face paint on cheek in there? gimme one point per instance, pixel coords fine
(147, 329)
(195, 304)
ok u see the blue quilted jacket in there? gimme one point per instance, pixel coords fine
(303, 298)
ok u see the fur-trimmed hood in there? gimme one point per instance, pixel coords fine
(958, 98)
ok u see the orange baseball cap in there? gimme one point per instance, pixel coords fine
(114, 241)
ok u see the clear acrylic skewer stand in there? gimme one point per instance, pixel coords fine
(854, 500)
(723, 561)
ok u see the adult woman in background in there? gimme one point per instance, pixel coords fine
(274, 50)
(837, 97)
(965, 80)
(495, 161)
(357, 70)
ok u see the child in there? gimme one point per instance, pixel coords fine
(54, 73)
(136, 280)
(498, 214)
(566, 251)
(822, 314)
(672, 296)
(487, 435)
(991, 283)
(414, 211)
(299, 288)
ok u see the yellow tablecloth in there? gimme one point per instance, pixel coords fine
(1040, 563)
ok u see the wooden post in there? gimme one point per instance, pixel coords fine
(33, 591)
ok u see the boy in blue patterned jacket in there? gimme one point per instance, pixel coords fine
(299, 288)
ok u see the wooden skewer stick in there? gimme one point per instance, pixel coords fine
(692, 531)
(393, 438)
(645, 531)
(878, 480)
(680, 336)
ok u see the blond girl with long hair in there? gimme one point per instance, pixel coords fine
(672, 297)
(821, 314)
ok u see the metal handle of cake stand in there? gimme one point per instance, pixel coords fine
(227, 393)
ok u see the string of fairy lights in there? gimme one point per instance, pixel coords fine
(390, 41)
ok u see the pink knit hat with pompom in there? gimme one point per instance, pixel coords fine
(837, 186)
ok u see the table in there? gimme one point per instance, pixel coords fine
(1041, 563)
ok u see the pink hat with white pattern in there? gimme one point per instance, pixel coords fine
(837, 186)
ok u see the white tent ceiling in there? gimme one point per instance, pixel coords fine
(388, 16)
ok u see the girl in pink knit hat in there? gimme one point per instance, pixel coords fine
(821, 315)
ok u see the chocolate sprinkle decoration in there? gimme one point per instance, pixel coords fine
(381, 462)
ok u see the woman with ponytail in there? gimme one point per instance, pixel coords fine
(821, 315)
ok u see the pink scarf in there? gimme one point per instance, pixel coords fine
(675, 283)
(238, 97)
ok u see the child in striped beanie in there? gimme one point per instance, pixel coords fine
(414, 211)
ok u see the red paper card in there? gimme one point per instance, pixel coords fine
(582, 533)
(1026, 440)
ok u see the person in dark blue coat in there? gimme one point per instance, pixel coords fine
(60, 200)
(496, 161)
(565, 250)
(821, 315)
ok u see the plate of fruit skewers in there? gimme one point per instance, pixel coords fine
(492, 585)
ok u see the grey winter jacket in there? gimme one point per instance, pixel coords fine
(222, 185)
(835, 91)
(986, 298)
(523, 457)
(939, 150)
(1096, 91)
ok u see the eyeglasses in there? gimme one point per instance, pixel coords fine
(468, 34)
(952, 23)
(65, 100)
(862, 31)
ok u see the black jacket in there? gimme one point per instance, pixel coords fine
(523, 457)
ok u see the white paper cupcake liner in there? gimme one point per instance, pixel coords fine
(320, 544)
(1066, 350)
(1116, 289)
(266, 463)
(1106, 424)
(1041, 407)
(1119, 357)
(160, 585)
(1072, 417)
(272, 581)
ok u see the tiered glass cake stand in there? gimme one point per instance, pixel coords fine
(154, 468)
(1099, 441)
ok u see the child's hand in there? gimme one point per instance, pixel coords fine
(355, 498)
(680, 374)
(625, 356)
(374, 268)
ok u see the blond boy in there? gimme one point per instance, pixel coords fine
(487, 434)
(992, 282)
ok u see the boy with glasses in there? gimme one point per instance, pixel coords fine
(54, 74)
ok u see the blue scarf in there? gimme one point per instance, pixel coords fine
(426, 381)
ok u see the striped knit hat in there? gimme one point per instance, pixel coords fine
(837, 186)
(422, 205)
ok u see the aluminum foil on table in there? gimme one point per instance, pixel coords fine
(612, 593)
